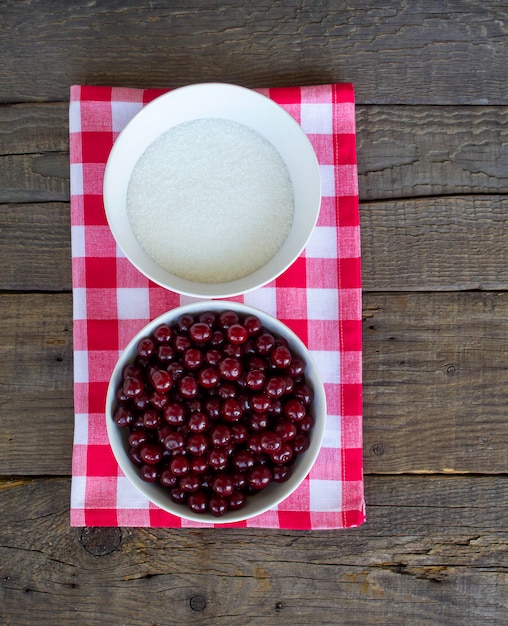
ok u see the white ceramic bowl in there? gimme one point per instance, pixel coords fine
(275, 492)
(230, 102)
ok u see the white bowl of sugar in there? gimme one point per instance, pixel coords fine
(212, 190)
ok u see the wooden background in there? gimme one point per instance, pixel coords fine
(432, 111)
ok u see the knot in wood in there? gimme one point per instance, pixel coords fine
(451, 370)
(197, 603)
(378, 449)
(100, 541)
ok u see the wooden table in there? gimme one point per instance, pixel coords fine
(432, 95)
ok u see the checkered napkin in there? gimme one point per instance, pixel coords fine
(318, 297)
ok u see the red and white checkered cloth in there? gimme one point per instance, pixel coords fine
(319, 297)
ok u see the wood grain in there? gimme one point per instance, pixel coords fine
(433, 550)
(435, 375)
(435, 244)
(403, 152)
(435, 393)
(36, 400)
(47, 46)
(431, 151)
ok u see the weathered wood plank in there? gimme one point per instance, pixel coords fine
(402, 151)
(36, 400)
(434, 550)
(443, 52)
(445, 243)
(35, 246)
(435, 392)
(431, 151)
(435, 376)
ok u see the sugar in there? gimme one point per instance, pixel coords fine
(210, 200)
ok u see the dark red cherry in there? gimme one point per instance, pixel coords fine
(188, 387)
(197, 444)
(198, 501)
(179, 465)
(208, 377)
(259, 477)
(280, 357)
(132, 387)
(149, 473)
(161, 380)
(123, 416)
(253, 325)
(146, 348)
(163, 334)
(200, 332)
(218, 505)
(294, 410)
(151, 453)
(228, 318)
(237, 334)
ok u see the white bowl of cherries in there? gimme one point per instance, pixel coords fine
(216, 411)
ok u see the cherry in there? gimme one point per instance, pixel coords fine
(152, 419)
(198, 422)
(286, 429)
(185, 321)
(223, 485)
(275, 387)
(168, 479)
(264, 343)
(145, 348)
(197, 444)
(174, 442)
(218, 505)
(259, 477)
(151, 453)
(236, 501)
(165, 354)
(200, 332)
(294, 410)
(174, 413)
(163, 334)
(190, 482)
(230, 368)
(198, 501)
(161, 380)
(270, 442)
(188, 387)
(199, 465)
(228, 318)
(179, 465)
(149, 473)
(231, 410)
(208, 377)
(281, 357)
(220, 436)
(137, 438)
(132, 387)
(253, 325)
(208, 317)
(243, 460)
(283, 454)
(281, 473)
(123, 416)
(255, 380)
(237, 334)
(193, 358)
(216, 408)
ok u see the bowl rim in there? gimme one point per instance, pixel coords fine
(305, 462)
(115, 184)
